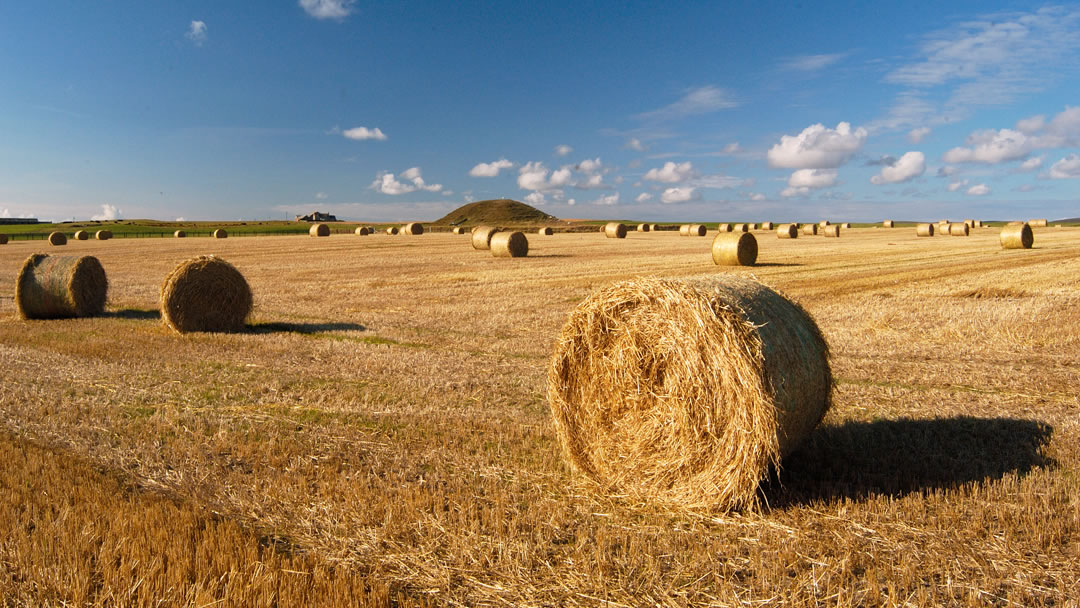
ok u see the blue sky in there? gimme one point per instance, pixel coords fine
(654, 111)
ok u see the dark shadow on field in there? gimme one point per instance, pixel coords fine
(303, 328)
(857, 460)
(775, 264)
(134, 313)
(550, 255)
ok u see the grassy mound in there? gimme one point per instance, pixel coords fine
(501, 211)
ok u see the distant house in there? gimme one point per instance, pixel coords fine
(316, 216)
(18, 220)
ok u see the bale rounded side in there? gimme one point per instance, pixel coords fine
(740, 228)
(509, 245)
(481, 237)
(787, 231)
(888, 223)
(924, 230)
(811, 229)
(698, 230)
(846, 225)
(1017, 237)
(60, 287)
(414, 228)
(57, 238)
(832, 230)
(545, 231)
(1037, 223)
(615, 230)
(687, 393)
(684, 230)
(734, 249)
(392, 230)
(319, 230)
(642, 227)
(361, 231)
(959, 229)
(767, 226)
(205, 293)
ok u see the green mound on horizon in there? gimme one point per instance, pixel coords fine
(500, 211)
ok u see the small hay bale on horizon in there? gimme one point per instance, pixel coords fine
(832, 231)
(654, 227)
(642, 227)
(1017, 237)
(545, 231)
(888, 223)
(57, 238)
(481, 237)
(810, 229)
(103, 235)
(924, 230)
(361, 231)
(458, 230)
(740, 228)
(1041, 223)
(734, 249)
(959, 229)
(824, 223)
(698, 230)
(414, 228)
(60, 287)
(615, 230)
(787, 231)
(220, 233)
(725, 228)
(82, 235)
(684, 230)
(392, 230)
(179, 234)
(767, 225)
(745, 379)
(319, 230)
(846, 225)
(509, 245)
(205, 293)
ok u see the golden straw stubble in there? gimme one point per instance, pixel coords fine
(686, 393)
(205, 293)
(734, 249)
(1017, 237)
(481, 236)
(509, 245)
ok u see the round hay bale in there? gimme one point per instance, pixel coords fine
(82, 235)
(1015, 223)
(3, 239)
(887, 223)
(180, 234)
(221, 234)
(103, 235)
(459, 230)
(824, 223)
(832, 230)
(392, 230)
(481, 238)
(60, 287)
(654, 227)
(767, 226)
(509, 245)
(698, 230)
(959, 229)
(751, 226)
(846, 225)
(684, 230)
(1017, 237)
(615, 230)
(642, 227)
(1037, 223)
(724, 228)
(362, 231)
(924, 230)
(57, 238)
(205, 294)
(740, 228)
(787, 231)
(414, 228)
(319, 230)
(734, 249)
(969, 223)
(810, 229)
(687, 393)
(978, 224)
(545, 231)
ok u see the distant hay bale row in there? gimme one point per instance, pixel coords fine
(642, 227)
(362, 231)
(1037, 223)
(615, 230)
(687, 393)
(481, 237)
(509, 245)
(734, 249)
(787, 231)
(205, 293)
(1017, 237)
(924, 230)
(60, 287)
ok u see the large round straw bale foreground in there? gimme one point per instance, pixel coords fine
(545, 231)
(82, 235)
(103, 235)
(734, 249)
(924, 230)
(509, 245)
(319, 230)
(414, 228)
(615, 230)
(205, 294)
(1017, 237)
(57, 238)
(687, 392)
(481, 236)
(787, 231)
(60, 287)
(180, 234)
(221, 234)
(959, 229)
(832, 230)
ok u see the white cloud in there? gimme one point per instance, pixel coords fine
(812, 178)
(534, 176)
(1066, 168)
(644, 197)
(490, 169)
(362, 133)
(954, 186)
(671, 173)
(916, 136)
(590, 166)
(947, 170)
(611, 199)
(328, 9)
(817, 147)
(468, 198)
(563, 150)
(1063, 130)
(636, 145)
(320, 196)
(790, 192)
(1032, 163)
(179, 219)
(108, 213)
(811, 63)
(717, 181)
(991, 147)
(908, 166)
(386, 183)
(756, 196)
(535, 198)
(702, 100)
(197, 33)
(679, 195)
(732, 148)
(591, 182)
(979, 190)
(571, 202)
(1031, 125)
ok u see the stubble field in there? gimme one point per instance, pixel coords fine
(380, 435)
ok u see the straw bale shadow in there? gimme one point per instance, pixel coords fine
(303, 328)
(856, 460)
(135, 313)
(775, 264)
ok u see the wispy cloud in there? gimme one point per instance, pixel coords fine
(362, 133)
(490, 169)
(197, 33)
(411, 181)
(328, 9)
(811, 63)
(702, 100)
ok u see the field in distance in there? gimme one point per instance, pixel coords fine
(380, 434)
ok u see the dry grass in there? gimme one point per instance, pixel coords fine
(401, 435)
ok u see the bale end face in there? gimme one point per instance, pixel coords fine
(698, 230)
(481, 236)
(3, 239)
(362, 231)
(642, 227)
(734, 249)
(1017, 237)
(82, 235)
(509, 245)
(205, 294)
(615, 230)
(414, 228)
(103, 235)
(180, 234)
(60, 287)
(57, 238)
(220, 233)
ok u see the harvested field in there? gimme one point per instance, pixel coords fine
(396, 441)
